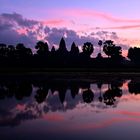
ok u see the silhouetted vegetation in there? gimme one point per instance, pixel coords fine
(111, 94)
(22, 88)
(134, 54)
(88, 96)
(134, 87)
(20, 56)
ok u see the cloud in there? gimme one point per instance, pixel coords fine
(84, 13)
(128, 113)
(16, 120)
(12, 37)
(56, 22)
(103, 35)
(10, 24)
(124, 27)
(55, 35)
(52, 117)
(18, 19)
(16, 29)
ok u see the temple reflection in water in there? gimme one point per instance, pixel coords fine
(59, 102)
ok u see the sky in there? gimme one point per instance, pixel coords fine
(77, 20)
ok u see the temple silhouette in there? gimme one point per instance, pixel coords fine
(23, 88)
(20, 56)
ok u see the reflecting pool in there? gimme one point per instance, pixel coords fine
(91, 108)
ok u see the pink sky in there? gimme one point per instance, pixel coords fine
(84, 18)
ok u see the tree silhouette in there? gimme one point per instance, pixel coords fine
(111, 93)
(24, 89)
(107, 48)
(87, 49)
(111, 50)
(41, 94)
(3, 50)
(134, 87)
(134, 54)
(42, 48)
(3, 92)
(19, 89)
(21, 56)
(108, 97)
(88, 96)
(22, 51)
(11, 51)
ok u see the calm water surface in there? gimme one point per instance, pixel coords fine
(70, 109)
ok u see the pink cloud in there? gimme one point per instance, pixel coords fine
(98, 125)
(135, 114)
(20, 107)
(84, 24)
(129, 114)
(21, 31)
(130, 97)
(124, 53)
(53, 117)
(54, 22)
(82, 13)
(57, 22)
(124, 27)
(101, 124)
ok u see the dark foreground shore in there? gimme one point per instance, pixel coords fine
(68, 74)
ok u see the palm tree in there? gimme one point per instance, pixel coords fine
(111, 50)
(108, 45)
(88, 49)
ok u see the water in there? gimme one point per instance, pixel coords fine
(70, 109)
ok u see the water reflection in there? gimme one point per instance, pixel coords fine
(53, 100)
(22, 89)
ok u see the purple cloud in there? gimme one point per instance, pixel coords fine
(17, 19)
(16, 29)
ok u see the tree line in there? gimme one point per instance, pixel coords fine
(24, 88)
(22, 56)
